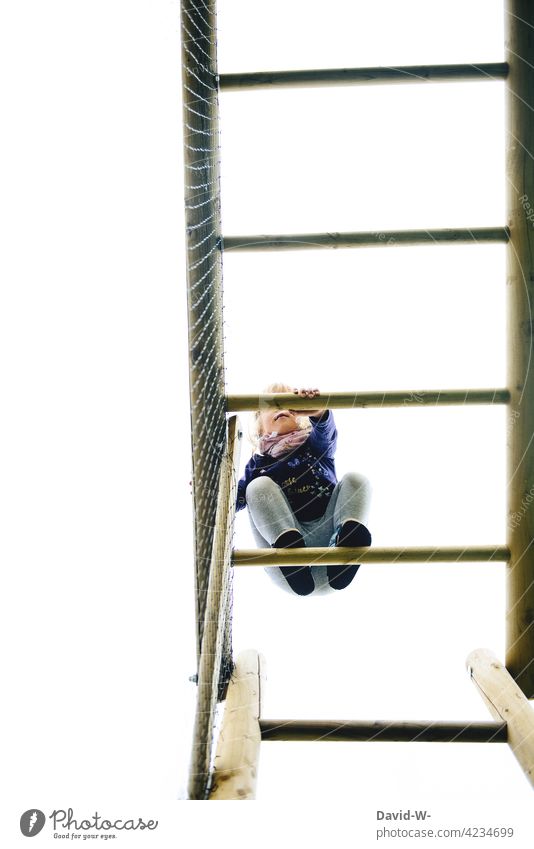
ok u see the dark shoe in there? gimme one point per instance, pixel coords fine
(299, 578)
(351, 534)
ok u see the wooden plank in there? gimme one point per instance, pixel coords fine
(385, 731)
(519, 99)
(346, 400)
(483, 71)
(505, 701)
(214, 625)
(371, 239)
(238, 749)
(324, 556)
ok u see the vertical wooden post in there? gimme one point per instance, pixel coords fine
(238, 749)
(519, 87)
(204, 279)
(506, 701)
(216, 620)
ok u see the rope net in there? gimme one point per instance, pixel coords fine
(206, 377)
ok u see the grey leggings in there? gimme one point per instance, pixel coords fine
(270, 515)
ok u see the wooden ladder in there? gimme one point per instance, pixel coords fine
(505, 688)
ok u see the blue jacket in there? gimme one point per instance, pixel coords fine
(307, 474)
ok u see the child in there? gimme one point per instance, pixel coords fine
(294, 498)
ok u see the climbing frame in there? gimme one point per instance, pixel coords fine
(215, 434)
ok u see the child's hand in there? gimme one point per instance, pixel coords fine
(307, 393)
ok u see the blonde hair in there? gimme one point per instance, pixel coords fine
(254, 429)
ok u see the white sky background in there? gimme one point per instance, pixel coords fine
(94, 352)
(394, 645)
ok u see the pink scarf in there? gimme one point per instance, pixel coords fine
(276, 444)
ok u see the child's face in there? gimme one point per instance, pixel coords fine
(281, 421)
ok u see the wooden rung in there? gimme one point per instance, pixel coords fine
(377, 238)
(345, 400)
(404, 732)
(484, 71)
(334, 555)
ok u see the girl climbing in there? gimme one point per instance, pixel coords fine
(294, 498)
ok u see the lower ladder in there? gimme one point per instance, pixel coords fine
(244, 727)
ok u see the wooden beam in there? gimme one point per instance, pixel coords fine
(385, 731)
(236, 762)
(204, 278)
(324, 556)
(376, 239)
(484, 71)
(519, 93)
(347, 400)
(505, 701)
(215, 626)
